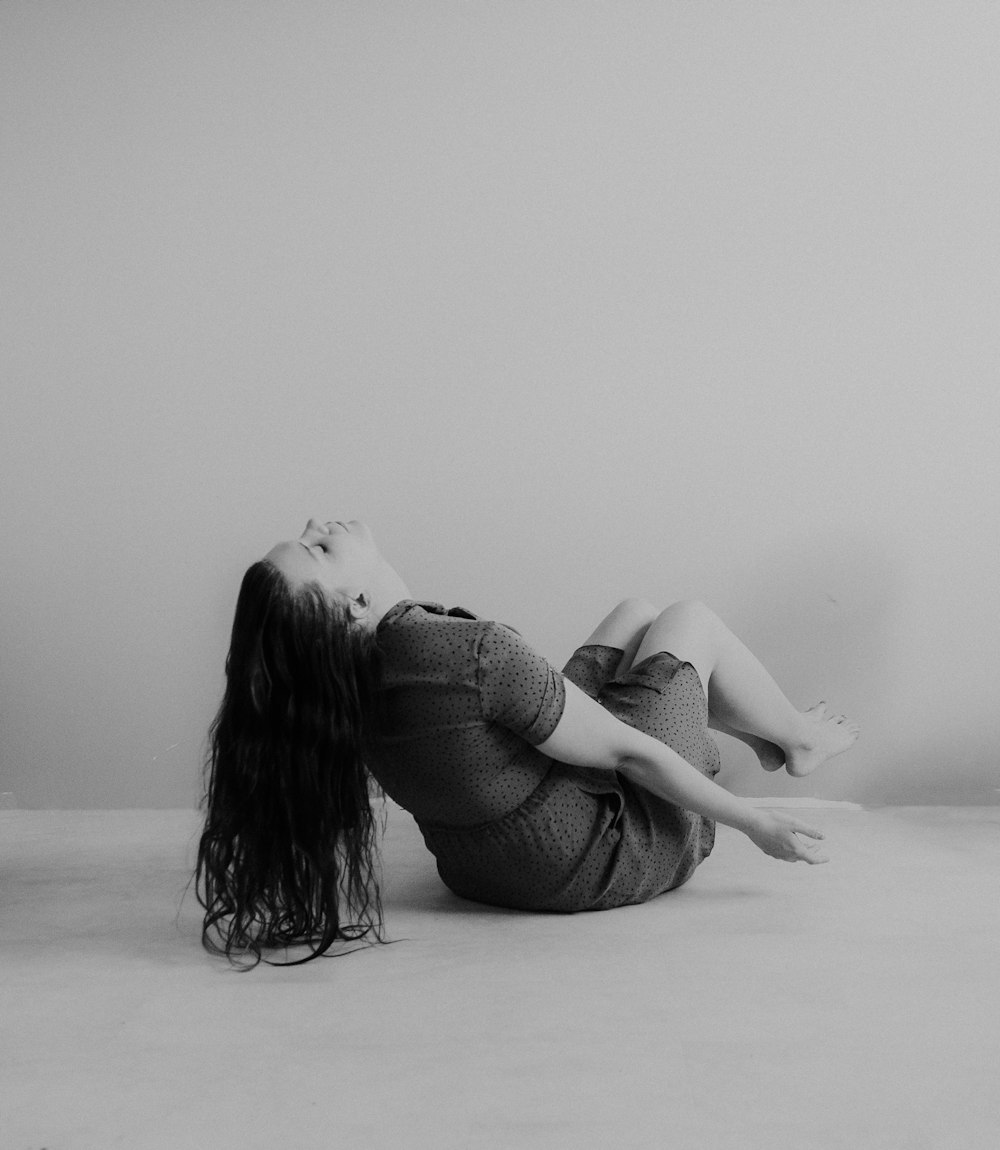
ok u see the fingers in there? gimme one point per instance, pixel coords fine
(802, 851)
(811, 855)
(807, 852)
(781, 839)
(801, 828)
(811, 832)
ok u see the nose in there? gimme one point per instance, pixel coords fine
(324, 528)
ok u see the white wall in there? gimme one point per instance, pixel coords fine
(569, 301)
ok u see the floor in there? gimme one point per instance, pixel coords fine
(853, 1005)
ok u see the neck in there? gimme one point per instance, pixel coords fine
(387, 591)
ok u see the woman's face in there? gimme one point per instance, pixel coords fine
(341, 557)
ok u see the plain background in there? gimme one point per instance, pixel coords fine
(569, 301)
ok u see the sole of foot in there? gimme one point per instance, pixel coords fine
(824, 735)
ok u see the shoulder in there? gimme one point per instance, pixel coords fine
(411, 618)
(518, 687)
(415, 631)
(424, 613)
(505, 656)
(423, 641)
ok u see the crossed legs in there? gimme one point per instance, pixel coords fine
(743, 700)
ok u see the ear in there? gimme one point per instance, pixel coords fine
(360, 605)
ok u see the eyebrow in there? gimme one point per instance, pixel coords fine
(309, 550)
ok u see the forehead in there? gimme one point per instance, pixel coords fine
(294, 561)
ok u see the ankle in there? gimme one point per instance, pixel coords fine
(802, 737)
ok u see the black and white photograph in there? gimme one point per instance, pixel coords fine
(500, 505)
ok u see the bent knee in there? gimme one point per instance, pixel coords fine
(637, 612)
(691, 609)
(687, 619)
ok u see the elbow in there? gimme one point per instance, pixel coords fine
(643, 761)
(634, 768)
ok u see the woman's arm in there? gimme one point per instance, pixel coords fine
(589, 736)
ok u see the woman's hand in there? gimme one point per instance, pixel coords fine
(777, 835)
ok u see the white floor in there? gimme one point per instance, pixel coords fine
(854, 1005)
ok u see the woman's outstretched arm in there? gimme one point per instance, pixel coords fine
(589, 736)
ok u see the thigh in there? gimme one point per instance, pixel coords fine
(624, 628)
(690, 631)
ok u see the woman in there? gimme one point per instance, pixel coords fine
(534, 789)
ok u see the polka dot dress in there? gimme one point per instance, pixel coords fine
(465, 702)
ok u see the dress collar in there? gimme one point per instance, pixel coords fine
(404, 605)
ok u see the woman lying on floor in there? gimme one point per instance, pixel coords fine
(534, 789)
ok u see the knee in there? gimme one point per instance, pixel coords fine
(692, 611)
(636, 613)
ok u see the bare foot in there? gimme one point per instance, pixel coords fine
(823, 736)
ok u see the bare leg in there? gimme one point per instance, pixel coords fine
(625, 628)
(772, 757)
(742, 696)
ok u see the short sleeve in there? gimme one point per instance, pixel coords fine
(518, 688)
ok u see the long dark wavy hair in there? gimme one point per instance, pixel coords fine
(288, 854)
